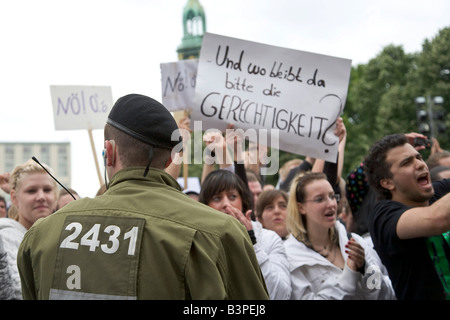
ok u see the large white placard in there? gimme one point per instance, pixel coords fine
(297, 94)
(80, 107)
(178, 84)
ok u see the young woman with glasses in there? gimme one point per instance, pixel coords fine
(326, 262)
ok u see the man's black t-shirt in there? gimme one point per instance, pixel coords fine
(408, 262)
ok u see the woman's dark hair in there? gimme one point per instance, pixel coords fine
(375, 165)
(218, 181)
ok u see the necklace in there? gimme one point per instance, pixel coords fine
(320, 251)
(326, 255)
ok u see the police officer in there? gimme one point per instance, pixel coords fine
(143, 238)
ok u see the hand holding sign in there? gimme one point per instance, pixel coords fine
(255, 86)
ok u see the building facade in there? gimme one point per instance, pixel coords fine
(54, 154)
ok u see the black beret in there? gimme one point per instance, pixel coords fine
(144, 119)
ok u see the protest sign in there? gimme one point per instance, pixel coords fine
(178, 84)
(80, 107)
(299, 95)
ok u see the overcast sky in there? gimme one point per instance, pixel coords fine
(121, 43)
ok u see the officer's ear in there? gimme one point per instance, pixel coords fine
(110, 152)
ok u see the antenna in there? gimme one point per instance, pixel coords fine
(37, 161)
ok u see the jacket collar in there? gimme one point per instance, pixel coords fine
(300, 255)
(137, 174)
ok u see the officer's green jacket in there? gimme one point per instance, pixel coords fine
(142, 239)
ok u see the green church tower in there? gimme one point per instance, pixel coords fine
(194, 27)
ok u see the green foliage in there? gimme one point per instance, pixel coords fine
(382, 92)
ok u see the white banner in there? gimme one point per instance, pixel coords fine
(258, 86)
(178, 84)
(80, 107)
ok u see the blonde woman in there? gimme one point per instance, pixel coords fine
(33, 194)
(325, 262)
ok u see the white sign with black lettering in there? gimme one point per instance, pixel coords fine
(263, 87)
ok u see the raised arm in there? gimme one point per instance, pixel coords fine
(425, 221)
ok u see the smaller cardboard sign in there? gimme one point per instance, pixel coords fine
(178, 81)
(80, 107)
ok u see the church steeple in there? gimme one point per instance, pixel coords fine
(194, 26)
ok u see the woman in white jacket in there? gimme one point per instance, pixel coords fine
(225, 191)
(33, 193)
(324, 262)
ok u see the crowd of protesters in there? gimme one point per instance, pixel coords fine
(379, 232)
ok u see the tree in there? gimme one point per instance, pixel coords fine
(382, 92)
(431, 76)
(376, 102)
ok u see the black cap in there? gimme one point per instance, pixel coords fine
(144, 119)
